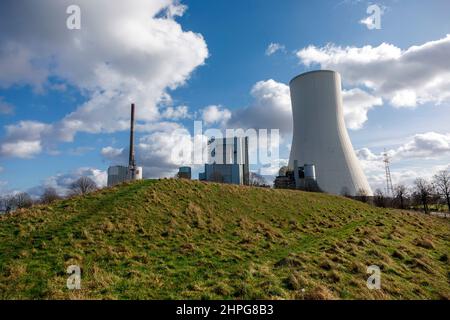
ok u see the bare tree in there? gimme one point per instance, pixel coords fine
(83, 186)
(21, 200)
(50, 195)
(423, 193)
(379, 199)
(442, 182)
(6, 204)
(257, 180)
(401, 195)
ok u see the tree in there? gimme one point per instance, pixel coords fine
(50, 195)
(442, 182)
(83, 186)
(6, 204)
(21, 200)
(400, 195)
(257, 180)
(379, 199)
(423, 192)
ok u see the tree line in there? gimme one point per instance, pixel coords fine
(10, 203)
(426, 195)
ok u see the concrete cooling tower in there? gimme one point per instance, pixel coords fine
(320, 136)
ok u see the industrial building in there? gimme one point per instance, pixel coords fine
(120, 174)
(185, 173)
(300, 177)
(320, 136)
(228, 161)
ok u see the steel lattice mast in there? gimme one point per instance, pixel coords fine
(389, 187)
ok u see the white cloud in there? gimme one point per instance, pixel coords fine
(215, 115)
(177, 113)
(21, 149)
(111, 153)
(425, 146)
(129, 52)
(61, 182)
(406, 78)
(24, 139)
(274, 48)
(357, 103)
(270, 108)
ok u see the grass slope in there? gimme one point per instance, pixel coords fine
(173, 239)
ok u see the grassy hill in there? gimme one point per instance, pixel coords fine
(172, 239)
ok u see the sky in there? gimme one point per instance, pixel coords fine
(65, 91)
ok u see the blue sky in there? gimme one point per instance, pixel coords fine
(46, 79)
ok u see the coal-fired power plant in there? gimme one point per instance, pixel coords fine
(120, 174)
(320, 136)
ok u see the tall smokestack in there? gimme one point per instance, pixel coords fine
(132, 163)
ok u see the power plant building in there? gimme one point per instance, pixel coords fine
(228, 161)
(320, 136)
(120, 174)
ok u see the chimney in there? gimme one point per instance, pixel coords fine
(132, 163)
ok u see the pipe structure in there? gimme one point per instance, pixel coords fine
(320, 136)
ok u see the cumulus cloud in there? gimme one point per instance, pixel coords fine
(24, 139)
(215, 115)
(177, 113)
(424, 146)
(61, 182)
(406, 78)
(357, 103)
(270, 109)
(129, 52)
(274, 48)
(111, 152)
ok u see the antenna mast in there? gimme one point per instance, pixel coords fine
(389, 187)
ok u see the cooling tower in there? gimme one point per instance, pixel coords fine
(320, 136)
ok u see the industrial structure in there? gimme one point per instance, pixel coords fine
(185, 173)
(300, 177)
(228, 161)
(389, 186)
(320, 136)
(120, 174)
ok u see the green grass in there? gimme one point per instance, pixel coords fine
(175, 239)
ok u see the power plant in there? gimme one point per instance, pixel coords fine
(320, 136)
(120, 174)
(228, 161)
